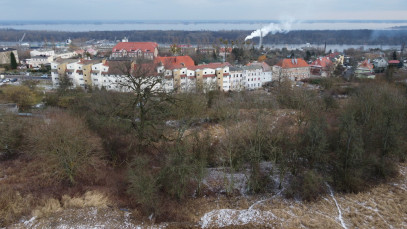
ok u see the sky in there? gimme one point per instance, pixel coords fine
(203, 9)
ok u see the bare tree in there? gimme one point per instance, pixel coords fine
(148, 86)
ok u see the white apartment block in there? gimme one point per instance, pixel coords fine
(246, 78)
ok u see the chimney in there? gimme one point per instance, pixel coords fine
(261, 39)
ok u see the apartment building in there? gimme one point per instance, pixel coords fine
(135, 50)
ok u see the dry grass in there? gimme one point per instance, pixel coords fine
(13, 205)
(49, 207)
(89, 199)
(384, 206)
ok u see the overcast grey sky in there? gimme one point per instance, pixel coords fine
(202, 9)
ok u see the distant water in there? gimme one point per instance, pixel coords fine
(84, 26)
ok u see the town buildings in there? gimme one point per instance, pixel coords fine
(177, 74)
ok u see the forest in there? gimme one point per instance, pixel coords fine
(356, 37)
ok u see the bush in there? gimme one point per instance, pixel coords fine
(143, 184)
(307, 186)
(21, 95)
(67, 146)
(12, 131)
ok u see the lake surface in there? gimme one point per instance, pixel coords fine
(84, 26)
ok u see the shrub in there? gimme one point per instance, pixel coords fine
(11, 129)
(68, 147)
(21, 95)
(308, 186)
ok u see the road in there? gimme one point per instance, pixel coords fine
(25, 77)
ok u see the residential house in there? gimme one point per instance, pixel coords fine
(380, 64)
(365, 70)
(267, 74)
(321, 67)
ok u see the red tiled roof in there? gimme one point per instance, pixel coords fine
(134, 46)
(173, 62)
(394, 62)
(322, 62)
(293, 63)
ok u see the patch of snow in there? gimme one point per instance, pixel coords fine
(229, 217)
(337, 206)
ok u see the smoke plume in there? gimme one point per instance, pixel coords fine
(271, 28)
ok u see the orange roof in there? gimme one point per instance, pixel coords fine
(173, 62)
(134, 46)
(322, 62)
(293, 63)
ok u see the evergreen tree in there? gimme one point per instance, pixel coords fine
(13, 61)
(394, 55)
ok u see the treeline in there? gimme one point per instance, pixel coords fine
(367, 37)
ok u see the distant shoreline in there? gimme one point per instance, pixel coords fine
(202, 38)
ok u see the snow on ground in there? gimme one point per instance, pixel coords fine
(86, 218)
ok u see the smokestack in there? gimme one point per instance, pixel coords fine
(261, 40)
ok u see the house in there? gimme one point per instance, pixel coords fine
(321, 67)
(365, 70)
(65, 55)
(235, 81)
(293, 69)
(135, 50)
(210, 76)
(78, 71)
(336, 58)
(395, 63)
(267, 74)
(5, 55)
(380, 64)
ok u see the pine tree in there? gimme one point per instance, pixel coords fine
(13, 61)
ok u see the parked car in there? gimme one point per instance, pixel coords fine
(45, 76)
(13, 80)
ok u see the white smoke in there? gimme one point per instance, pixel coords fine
(271, 28)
